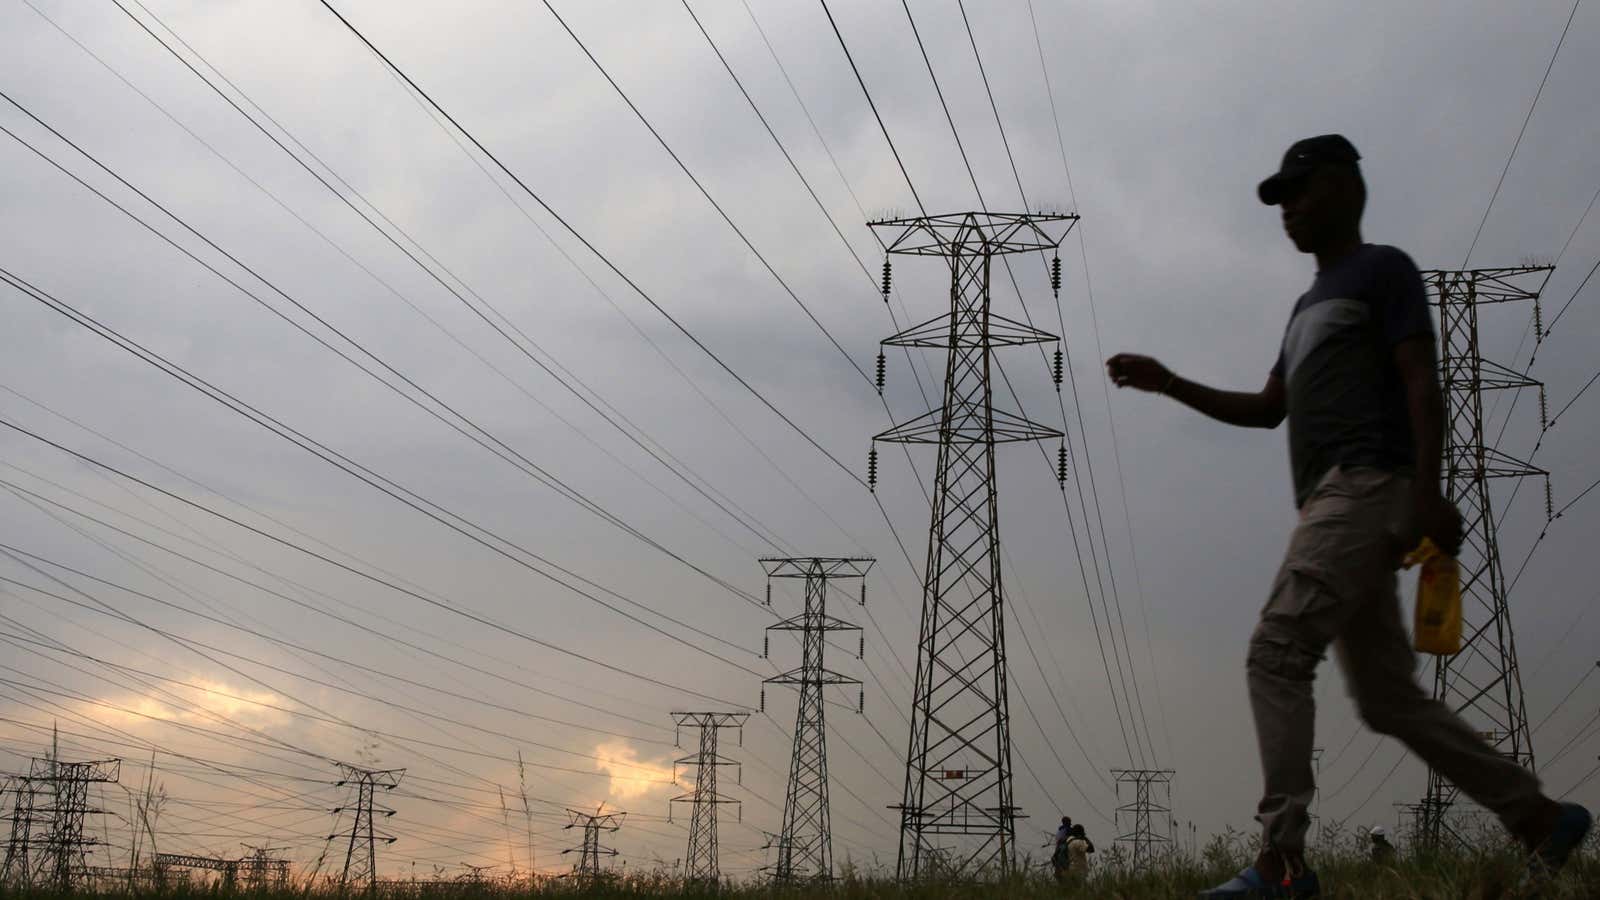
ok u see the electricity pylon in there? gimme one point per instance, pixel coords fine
(1149, 806)
(18, 869)
(587, 869)
(700, 863)
(262, 870)
(958, 785)
(1482, 681)
(66, 785)
(805, 846)
(361, 854)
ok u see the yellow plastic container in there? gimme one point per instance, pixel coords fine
(1437, 629)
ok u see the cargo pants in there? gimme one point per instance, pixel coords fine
(1338, 586)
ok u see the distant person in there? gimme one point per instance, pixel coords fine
(1078, 849)
(1383, 852)
(1356, 377)
(1059, 858)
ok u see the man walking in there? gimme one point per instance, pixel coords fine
(1357, 380)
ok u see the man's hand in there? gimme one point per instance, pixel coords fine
(1141, 372)
(1437, 518)
(1259, 409)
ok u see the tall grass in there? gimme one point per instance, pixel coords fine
(1492, 871)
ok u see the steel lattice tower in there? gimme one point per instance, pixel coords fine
(700, 863)
(1151, 790)
(805, 846)
(361, 853)
(18, 869)
(1482, 681)
(262, 870)
(64, 859)
(958, 785)
(587, 869)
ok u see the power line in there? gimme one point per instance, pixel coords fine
(703, 192)
(519, 684)
(550, 802)
(786, 155)
(1563, 701)
(348, 466)
(353, 624)
(796, 168)
(181, 702)
(364, 575)
(211, 489)
(1575, 292)
(1577, 738)
(504, 452)
(171, 583)
(287, 673)
(634, 286)
(1577, 227)
(1581, 782)
(1111, 419)
(351, 691)
(737, 514)
(873, 105)
(1520, 132)
(955, 133)
(844, 46)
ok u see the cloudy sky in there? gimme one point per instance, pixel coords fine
(539, 530)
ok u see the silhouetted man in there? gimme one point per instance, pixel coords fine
(1058, 855)
(1382, 852)
(1357, 380)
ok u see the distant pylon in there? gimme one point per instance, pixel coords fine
(361, 854)
(958, 787)
(66, 785)
(1482, 681)
(700, 863)
(805, 846)
(18, 869)
(1144, 823)
(263, 871)
(587, 869)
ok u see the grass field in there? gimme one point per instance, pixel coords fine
(1342, 864)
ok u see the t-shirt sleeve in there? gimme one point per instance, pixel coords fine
(1401, 301)
(1277, 367)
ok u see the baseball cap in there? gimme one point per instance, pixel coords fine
(1302, 159)
(1379, 831)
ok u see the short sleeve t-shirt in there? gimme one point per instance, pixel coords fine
(1345, 401)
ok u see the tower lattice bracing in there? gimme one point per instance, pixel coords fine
(957, 809)
(1482, 681)
(64, 789)
(805, 845)
(700, 862)
(361, 848)
(17, 871)
(1144, 820)
(587, 869)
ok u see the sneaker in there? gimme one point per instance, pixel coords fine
(1572, 826)
(1251, 884)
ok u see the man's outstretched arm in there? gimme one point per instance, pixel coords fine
(1259, 409)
